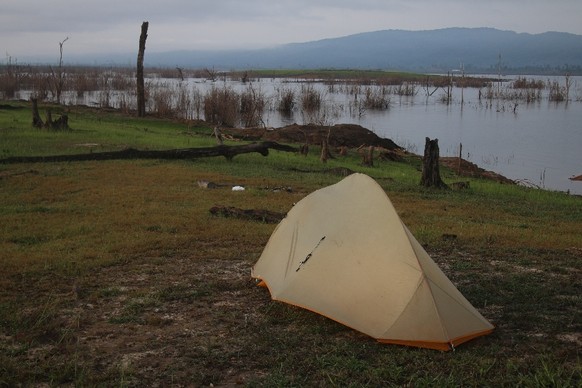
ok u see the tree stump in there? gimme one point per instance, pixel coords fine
(62, 123)
(367, 154)
(36, 120)
(431, 176)
(218, 135)
(325, 152)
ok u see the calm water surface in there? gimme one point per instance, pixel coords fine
(538, 144)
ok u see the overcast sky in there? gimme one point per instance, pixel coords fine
(35, 27)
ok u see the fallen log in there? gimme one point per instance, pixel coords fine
(266, 216)
(228, 152)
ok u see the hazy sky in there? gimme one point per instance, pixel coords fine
(35, 27)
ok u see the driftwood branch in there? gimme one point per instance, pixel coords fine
(228, 152)
(267, 216)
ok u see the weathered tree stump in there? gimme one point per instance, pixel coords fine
(218, 135)
(431, 176)
(36, 120)
(61, 123)
(367, 154)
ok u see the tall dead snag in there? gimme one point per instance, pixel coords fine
(431, 176)
(141, 111)
(57, 80)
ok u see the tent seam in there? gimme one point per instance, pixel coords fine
(425, 278)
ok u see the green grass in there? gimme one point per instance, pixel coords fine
(92, 131)
(115, 273)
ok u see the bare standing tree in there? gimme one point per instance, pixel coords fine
(58, 79)
(141, 111)
(567, 86)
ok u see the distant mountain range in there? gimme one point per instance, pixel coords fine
(477, 50)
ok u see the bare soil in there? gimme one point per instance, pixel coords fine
(339, 135)
(205, 302)
(466, 168)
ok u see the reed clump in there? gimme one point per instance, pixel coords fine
(252, 105)
(557, 93)
(524, 83)
(311, 98)
(376, 98)
(286, 101)
(221, 106)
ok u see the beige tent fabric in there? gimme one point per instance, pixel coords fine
(343, 252)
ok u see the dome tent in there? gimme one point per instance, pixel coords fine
(343, 252)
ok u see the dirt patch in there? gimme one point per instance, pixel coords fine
(173, 321)
(260, 215)
(469, 169)
(339, 135)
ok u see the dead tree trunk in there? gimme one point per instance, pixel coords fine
(36, 120)
(229, 152)
(218, 135)
(141, 111)
(325, 154)
(61, 123)
(369, 157)
(325, 151)
(431, 176)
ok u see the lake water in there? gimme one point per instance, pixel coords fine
(537, 144)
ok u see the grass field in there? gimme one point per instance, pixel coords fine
(114, 273)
